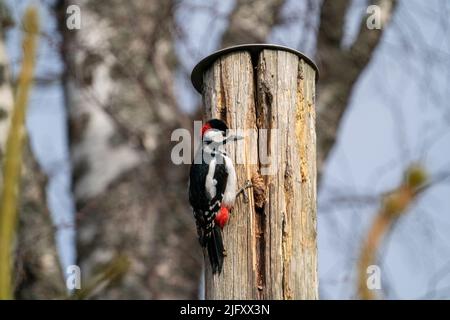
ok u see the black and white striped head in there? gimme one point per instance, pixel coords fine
(215, 132)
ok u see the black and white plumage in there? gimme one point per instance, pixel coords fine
(212, 189)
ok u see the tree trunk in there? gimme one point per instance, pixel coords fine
(271, 239)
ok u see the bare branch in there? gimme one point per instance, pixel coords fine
(395, 204)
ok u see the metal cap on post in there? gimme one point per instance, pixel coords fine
(253, 49)
(269, 92)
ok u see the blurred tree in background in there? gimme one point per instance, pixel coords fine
(120, 83)
(36, 268)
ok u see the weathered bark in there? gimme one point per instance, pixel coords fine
(271, 240)
(37, 273)
(340, 68)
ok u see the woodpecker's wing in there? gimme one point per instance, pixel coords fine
(206, 189)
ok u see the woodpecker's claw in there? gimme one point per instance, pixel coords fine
(248, 184)
(224, 252)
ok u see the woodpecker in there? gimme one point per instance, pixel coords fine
(212, 189)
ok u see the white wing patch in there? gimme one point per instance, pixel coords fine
(230, 189)
(210, 183)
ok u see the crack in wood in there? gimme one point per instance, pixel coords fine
(222, 100)
(259, 187)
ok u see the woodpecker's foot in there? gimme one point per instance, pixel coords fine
(224, 252)
(248, 184)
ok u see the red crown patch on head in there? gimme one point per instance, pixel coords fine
(214, 124)
(205, 128)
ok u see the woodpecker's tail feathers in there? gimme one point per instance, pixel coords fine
(216, 249)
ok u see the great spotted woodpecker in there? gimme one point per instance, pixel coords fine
(212, 189)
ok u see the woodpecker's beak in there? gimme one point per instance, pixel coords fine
(232, 137)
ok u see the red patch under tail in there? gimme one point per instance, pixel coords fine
(222, 217)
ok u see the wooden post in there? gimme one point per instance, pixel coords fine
(271, 238)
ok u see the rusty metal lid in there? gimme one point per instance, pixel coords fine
(254, 49)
